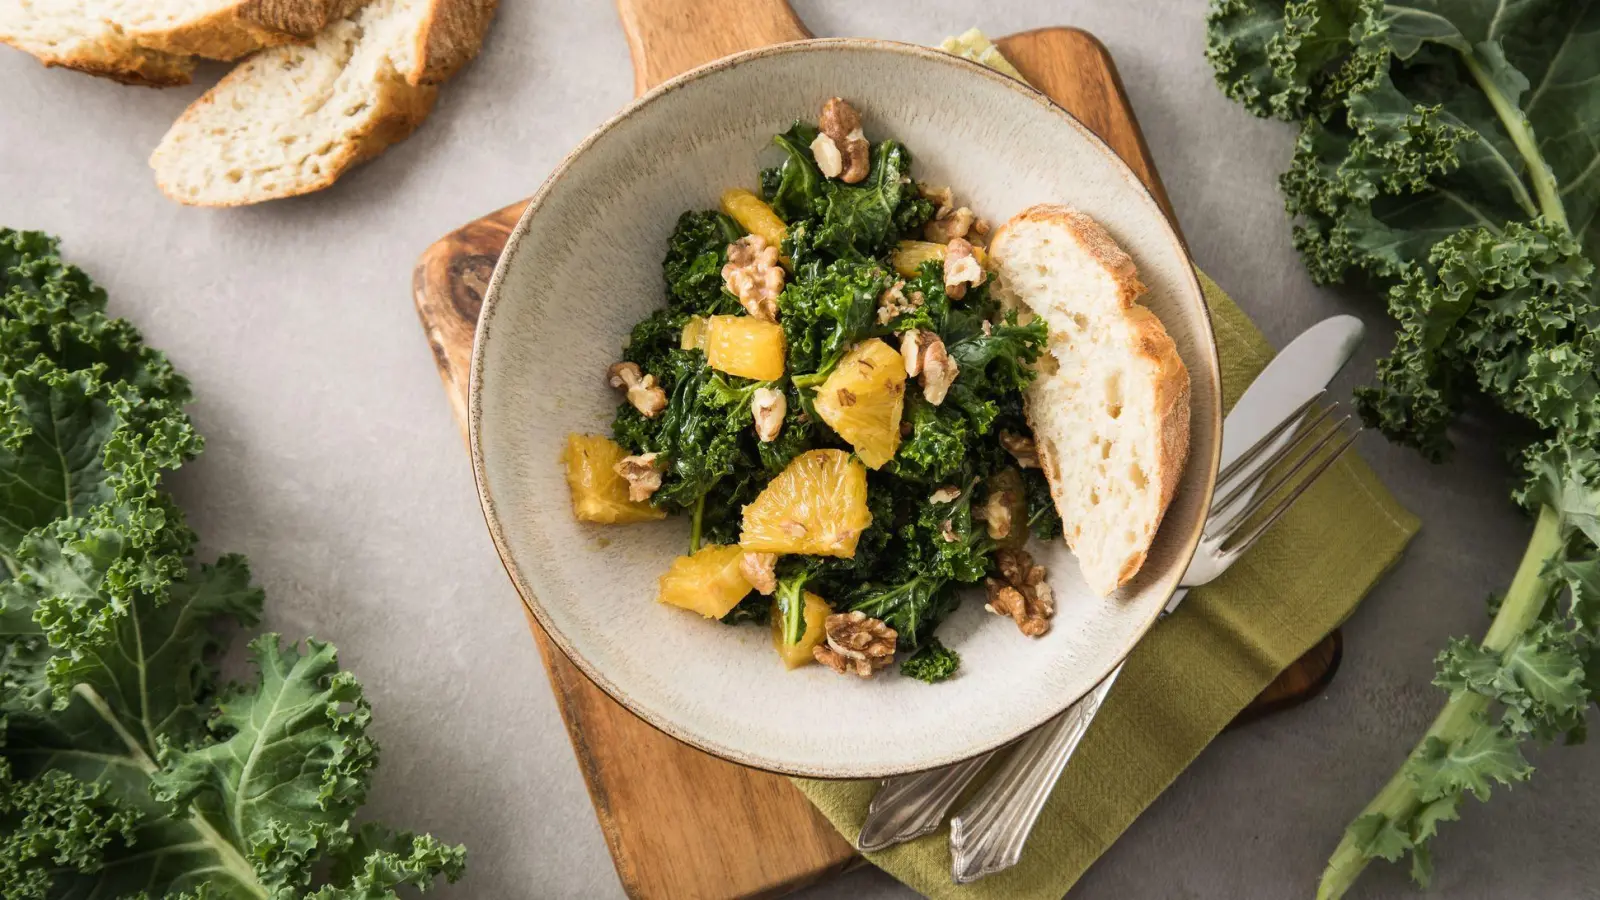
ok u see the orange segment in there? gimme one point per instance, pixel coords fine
(599, 494)
(743, 346)
(709, 582)
(816, 615)
(864, 398)
(817, 505)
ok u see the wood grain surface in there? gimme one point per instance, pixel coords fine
(679, 822)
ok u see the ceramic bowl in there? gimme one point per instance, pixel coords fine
(584, 265)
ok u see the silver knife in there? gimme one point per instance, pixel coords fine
(909, 806)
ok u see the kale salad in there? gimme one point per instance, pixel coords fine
(833, 399)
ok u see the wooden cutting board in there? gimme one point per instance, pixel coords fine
(681, 823)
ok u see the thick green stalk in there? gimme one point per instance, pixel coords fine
(1521, 134)
(695, 524)
(1398, 801)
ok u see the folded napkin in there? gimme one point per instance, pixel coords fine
(1191, 674)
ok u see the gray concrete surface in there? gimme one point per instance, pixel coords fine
(334, 464)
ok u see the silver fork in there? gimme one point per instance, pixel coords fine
(988, 835)
(910, 806)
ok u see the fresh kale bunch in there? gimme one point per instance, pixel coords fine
(839, 245)
(126, 770)
(1449, 154)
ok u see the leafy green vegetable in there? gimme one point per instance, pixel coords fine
(933, 663)
(861, 220)
(823, 315)
(693, 267)
(796, 187)
(125, 771)
(1448, 154)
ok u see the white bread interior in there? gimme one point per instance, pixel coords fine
(1110, 408)
(292, 119)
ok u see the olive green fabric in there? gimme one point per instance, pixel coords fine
(1191, 674)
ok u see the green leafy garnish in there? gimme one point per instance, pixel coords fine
(126, 770)
(933, 663)
(1448, 155)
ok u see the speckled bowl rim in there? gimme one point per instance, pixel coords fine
(1208, 456)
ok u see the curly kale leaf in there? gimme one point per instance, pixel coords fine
(932, 663)
(699, 433)
(859, 221)
(693, 265)
(823, 316)
(1043, 519)
(936, 450)
(795, 189)
(108, 633)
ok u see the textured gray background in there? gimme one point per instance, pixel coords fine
(334, 464)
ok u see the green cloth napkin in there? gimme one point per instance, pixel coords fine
(1191, 674)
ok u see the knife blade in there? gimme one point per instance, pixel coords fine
(1299, 372)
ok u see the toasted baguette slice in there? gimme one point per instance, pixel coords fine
(1110, 408)
(154, 42)
(292, 119)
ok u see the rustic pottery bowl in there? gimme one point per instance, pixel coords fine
(584, 264)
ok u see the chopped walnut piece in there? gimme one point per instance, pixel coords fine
(980, 227)
(961, 268)
(943, 198)
(1021, 592)
(830, 162)
(643, 478)
(768, 407)
(927, 360)
(893, 302)
(1021, 448)
(947, 530)
(947, 226)
(643, 393)
(842, 124)
(753, 275)
(996, 514)
(757, 568)
(945, 494)
(856, 643)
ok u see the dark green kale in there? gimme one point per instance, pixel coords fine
(795, 189)
(932, 663)
(654, 339)
(798, 434)
(936, 450)
(824, 315)
(755, 609)
(693, 265)
(859, 220)
(1043, 519)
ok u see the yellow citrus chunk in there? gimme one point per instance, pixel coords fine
(754, 215)
(908, 256)
(744, 346)
(817, 505)
(709, 582)
(599, 494)
(816, 615)
(864, 398)
(694, 334)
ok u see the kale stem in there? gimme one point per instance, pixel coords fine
(694, 528)
(1398, 802)
(1521, 133)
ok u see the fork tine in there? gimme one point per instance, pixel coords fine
(1244, 482)
(1304, 448)
(1256, 449)
(1234, 545)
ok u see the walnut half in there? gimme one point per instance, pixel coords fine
(927, 360)
(768, 407)
(753, 275)
(1022, 449)
(856, 643)
(643, 393)
(841, 125)
(643, 478)
(1021, 593)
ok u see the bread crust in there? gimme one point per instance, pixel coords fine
(246, 26)
(450, 38)
(117, 60)
(1151, 343)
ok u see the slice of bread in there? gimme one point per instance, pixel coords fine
(154, 42)
(292, 119)
(1110, 408)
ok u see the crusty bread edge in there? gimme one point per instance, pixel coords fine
(450, 37)
(1152, 342)
(247, 26)
(127, 64)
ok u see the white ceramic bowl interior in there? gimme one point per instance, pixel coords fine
(584, 265)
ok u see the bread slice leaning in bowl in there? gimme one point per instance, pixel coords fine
(292, 119)
(1110, 408)
(154, 42)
